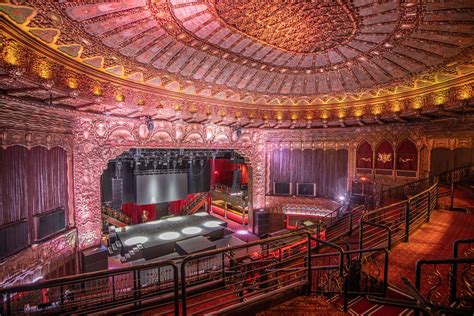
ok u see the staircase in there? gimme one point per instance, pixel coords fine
(198, 201)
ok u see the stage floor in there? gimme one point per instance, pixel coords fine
(159, 237)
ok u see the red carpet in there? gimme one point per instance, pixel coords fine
(430, 241)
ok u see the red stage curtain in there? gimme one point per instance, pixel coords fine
(176, 206)
(364, 156)
(384, 156)
(407, 154)
(224, 172)
(135, 211)
(32, 182)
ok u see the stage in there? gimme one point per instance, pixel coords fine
(181, 234)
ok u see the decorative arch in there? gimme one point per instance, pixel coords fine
(92, 153)
(407, 156)
(364, 156)
(384, 156)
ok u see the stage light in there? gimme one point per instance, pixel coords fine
(242, 232)
(212, 224)
(341, 198)
(191, 230)
(169, 236)
(174, 219)
(135, 240)
(154, 222)
(200, 214)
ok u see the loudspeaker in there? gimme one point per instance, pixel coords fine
(236, 181)
(94, 259)
(262, 222)
(117, 193)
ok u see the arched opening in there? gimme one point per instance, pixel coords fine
(407, 159)
(384, 158)
(156, 201)
(364, 156)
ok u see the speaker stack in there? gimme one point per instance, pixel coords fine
(262, 222)
(94, 259)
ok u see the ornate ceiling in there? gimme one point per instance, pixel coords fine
(294, 56)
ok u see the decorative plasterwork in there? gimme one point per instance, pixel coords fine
(187, 48)
(99, 140)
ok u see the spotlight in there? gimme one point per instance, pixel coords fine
(212, 224)
(174, 219)
(341, 198)
(135, 240)
(242, 232)
(191, 230)
(150, 125)
(200, 214)
(169, 236)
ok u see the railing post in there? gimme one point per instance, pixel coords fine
(346, 294)
(183, 287)
(318, 235)
(407, 220)
(429, 207)
(222, 267)
(454, 273)
(350, 223)
(310, 274)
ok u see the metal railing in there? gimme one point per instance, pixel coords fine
(97, 291)
(239, 275)
(394, 223)
(433, 279)
(449, 178)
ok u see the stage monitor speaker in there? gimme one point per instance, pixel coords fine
(94, 259)
(117, 193)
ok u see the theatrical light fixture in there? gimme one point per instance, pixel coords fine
(191, 230)
(200, 214)
(169, 236)
(341, 198)
(135, 240)
(174, 219)
(212, 224)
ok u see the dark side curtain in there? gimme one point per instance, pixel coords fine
(326, 168)
(33, 181)
(444, 159)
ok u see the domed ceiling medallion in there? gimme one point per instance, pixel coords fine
(301, 27)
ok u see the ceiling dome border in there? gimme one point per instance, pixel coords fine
(45, 42)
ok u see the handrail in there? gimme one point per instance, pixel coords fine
(430, 179)
(85, 277)
(454, 266)
(334, 246)
(385, 227)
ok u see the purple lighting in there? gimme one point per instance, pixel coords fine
(242, 232)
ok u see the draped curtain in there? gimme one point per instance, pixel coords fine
(364, 156)
(33, 181)
(135, 211)
(444, 159)
(384, 156)
(326, 168)
(407, 156)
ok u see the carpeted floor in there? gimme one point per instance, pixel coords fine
(430, 241)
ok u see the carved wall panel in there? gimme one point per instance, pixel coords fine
(96, 141)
